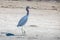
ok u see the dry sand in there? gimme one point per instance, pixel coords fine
(32, 4)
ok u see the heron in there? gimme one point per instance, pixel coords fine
(23, 20)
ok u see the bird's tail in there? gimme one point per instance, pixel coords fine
(17, 25)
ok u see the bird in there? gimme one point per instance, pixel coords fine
(23, 20)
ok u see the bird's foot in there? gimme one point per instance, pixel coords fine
(23, 33)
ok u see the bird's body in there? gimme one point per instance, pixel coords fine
(23, 20)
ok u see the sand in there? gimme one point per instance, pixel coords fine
(41, 24)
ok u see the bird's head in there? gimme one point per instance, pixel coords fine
(27, 8)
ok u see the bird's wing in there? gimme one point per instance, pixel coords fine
(22, 21)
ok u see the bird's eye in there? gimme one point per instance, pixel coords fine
(27, 6)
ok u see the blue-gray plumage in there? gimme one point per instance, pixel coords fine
(24, 19)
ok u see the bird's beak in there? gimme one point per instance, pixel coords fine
(32, 8)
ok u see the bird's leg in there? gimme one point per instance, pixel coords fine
(23, 31)
(19, 29)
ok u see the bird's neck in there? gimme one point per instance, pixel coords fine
(27, 12)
